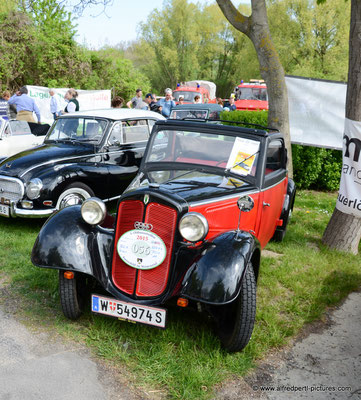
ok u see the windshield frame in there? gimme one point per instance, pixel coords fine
(171, 165)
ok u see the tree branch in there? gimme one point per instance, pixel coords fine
(234, 17)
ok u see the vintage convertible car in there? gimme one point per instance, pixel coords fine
(16, 136)
(84, 154)
(188, 231)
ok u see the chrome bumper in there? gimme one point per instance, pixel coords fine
(29, 213)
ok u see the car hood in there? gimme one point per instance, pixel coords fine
(19, 163)
(199, 188)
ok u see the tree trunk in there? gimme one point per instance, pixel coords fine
(271, 69)
(343, 231)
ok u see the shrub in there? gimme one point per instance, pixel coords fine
(313, 167)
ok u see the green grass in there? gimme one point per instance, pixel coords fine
(185, 360)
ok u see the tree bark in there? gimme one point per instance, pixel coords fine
(343, 231)
(257, 29)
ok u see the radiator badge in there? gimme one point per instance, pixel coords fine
(143, 225)
(146, 199)
(7, 165)
(141, 249)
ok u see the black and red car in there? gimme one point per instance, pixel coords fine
(188, 230)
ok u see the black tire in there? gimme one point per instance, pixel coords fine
(72, 295)
(236, 320)
(73, 194)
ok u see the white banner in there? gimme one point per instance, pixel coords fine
(349, 196)
(88, 100)
(316, 111)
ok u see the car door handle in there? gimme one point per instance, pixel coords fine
(266, 204)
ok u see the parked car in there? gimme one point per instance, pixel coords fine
(205, 111)
(16, 136)
(188, 231)
(86, 153)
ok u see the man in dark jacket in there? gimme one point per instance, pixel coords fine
(151, 100)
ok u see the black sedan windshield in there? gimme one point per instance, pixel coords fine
(82, 129)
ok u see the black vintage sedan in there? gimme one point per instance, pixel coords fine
(85, 154)
(188, 231)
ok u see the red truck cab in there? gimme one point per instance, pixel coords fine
(188, 90)
(251, 96)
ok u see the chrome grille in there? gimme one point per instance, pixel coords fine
(11, 189)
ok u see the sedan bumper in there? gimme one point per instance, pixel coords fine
(30, 213)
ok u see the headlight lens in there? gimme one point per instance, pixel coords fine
(193, 227)
(33, 188)
(93, 211)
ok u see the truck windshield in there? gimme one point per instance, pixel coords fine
(247, 93)
(204, 149)
(187, 96)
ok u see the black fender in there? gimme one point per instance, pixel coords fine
(287, 204)
(66, 242)
(216, 276)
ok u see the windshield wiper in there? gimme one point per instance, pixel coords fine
(181, 175)
(239, 163)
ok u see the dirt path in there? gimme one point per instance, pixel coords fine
(324, 363)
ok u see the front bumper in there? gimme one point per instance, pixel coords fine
(30, 213)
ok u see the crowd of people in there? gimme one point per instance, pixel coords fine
(21, 106)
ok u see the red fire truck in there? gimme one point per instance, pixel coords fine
(251, 96)
(188, 90)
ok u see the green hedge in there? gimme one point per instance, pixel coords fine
(313, 167)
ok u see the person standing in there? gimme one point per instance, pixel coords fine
(54, 104)
(73, 103)
(232, 105)
(197, 99)
(137, 101)
(167, 103)
(180, 100)
(4, 107)
(11, 108)
(25, 106)
(117, 102)
(150, 99)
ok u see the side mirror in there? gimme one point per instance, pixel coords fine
(245, 203)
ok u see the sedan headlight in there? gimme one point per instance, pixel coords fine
(33, 188)
(93, 211)
(193, 227)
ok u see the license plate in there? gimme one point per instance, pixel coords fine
(129, 311)
(4, 210)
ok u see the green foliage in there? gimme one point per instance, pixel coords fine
(184, 41)
(316, 168)
(311, 39)
(247, 117)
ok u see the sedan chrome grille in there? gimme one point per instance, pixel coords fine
(11, 189)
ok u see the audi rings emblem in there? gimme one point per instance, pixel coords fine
(143, 225)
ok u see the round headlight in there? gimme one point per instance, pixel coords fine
(33, 188)
(93, 211)
(193, 227)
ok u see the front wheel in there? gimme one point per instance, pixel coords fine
(235, 321)
(72, 294)
(74, 194)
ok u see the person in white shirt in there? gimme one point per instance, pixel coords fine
(55, 108)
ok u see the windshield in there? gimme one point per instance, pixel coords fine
(79, 129)
(237, 155)
(251, 94)
(182, 114)
(187, 96)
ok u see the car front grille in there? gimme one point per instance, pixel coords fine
(11, 189)
(144, 283)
